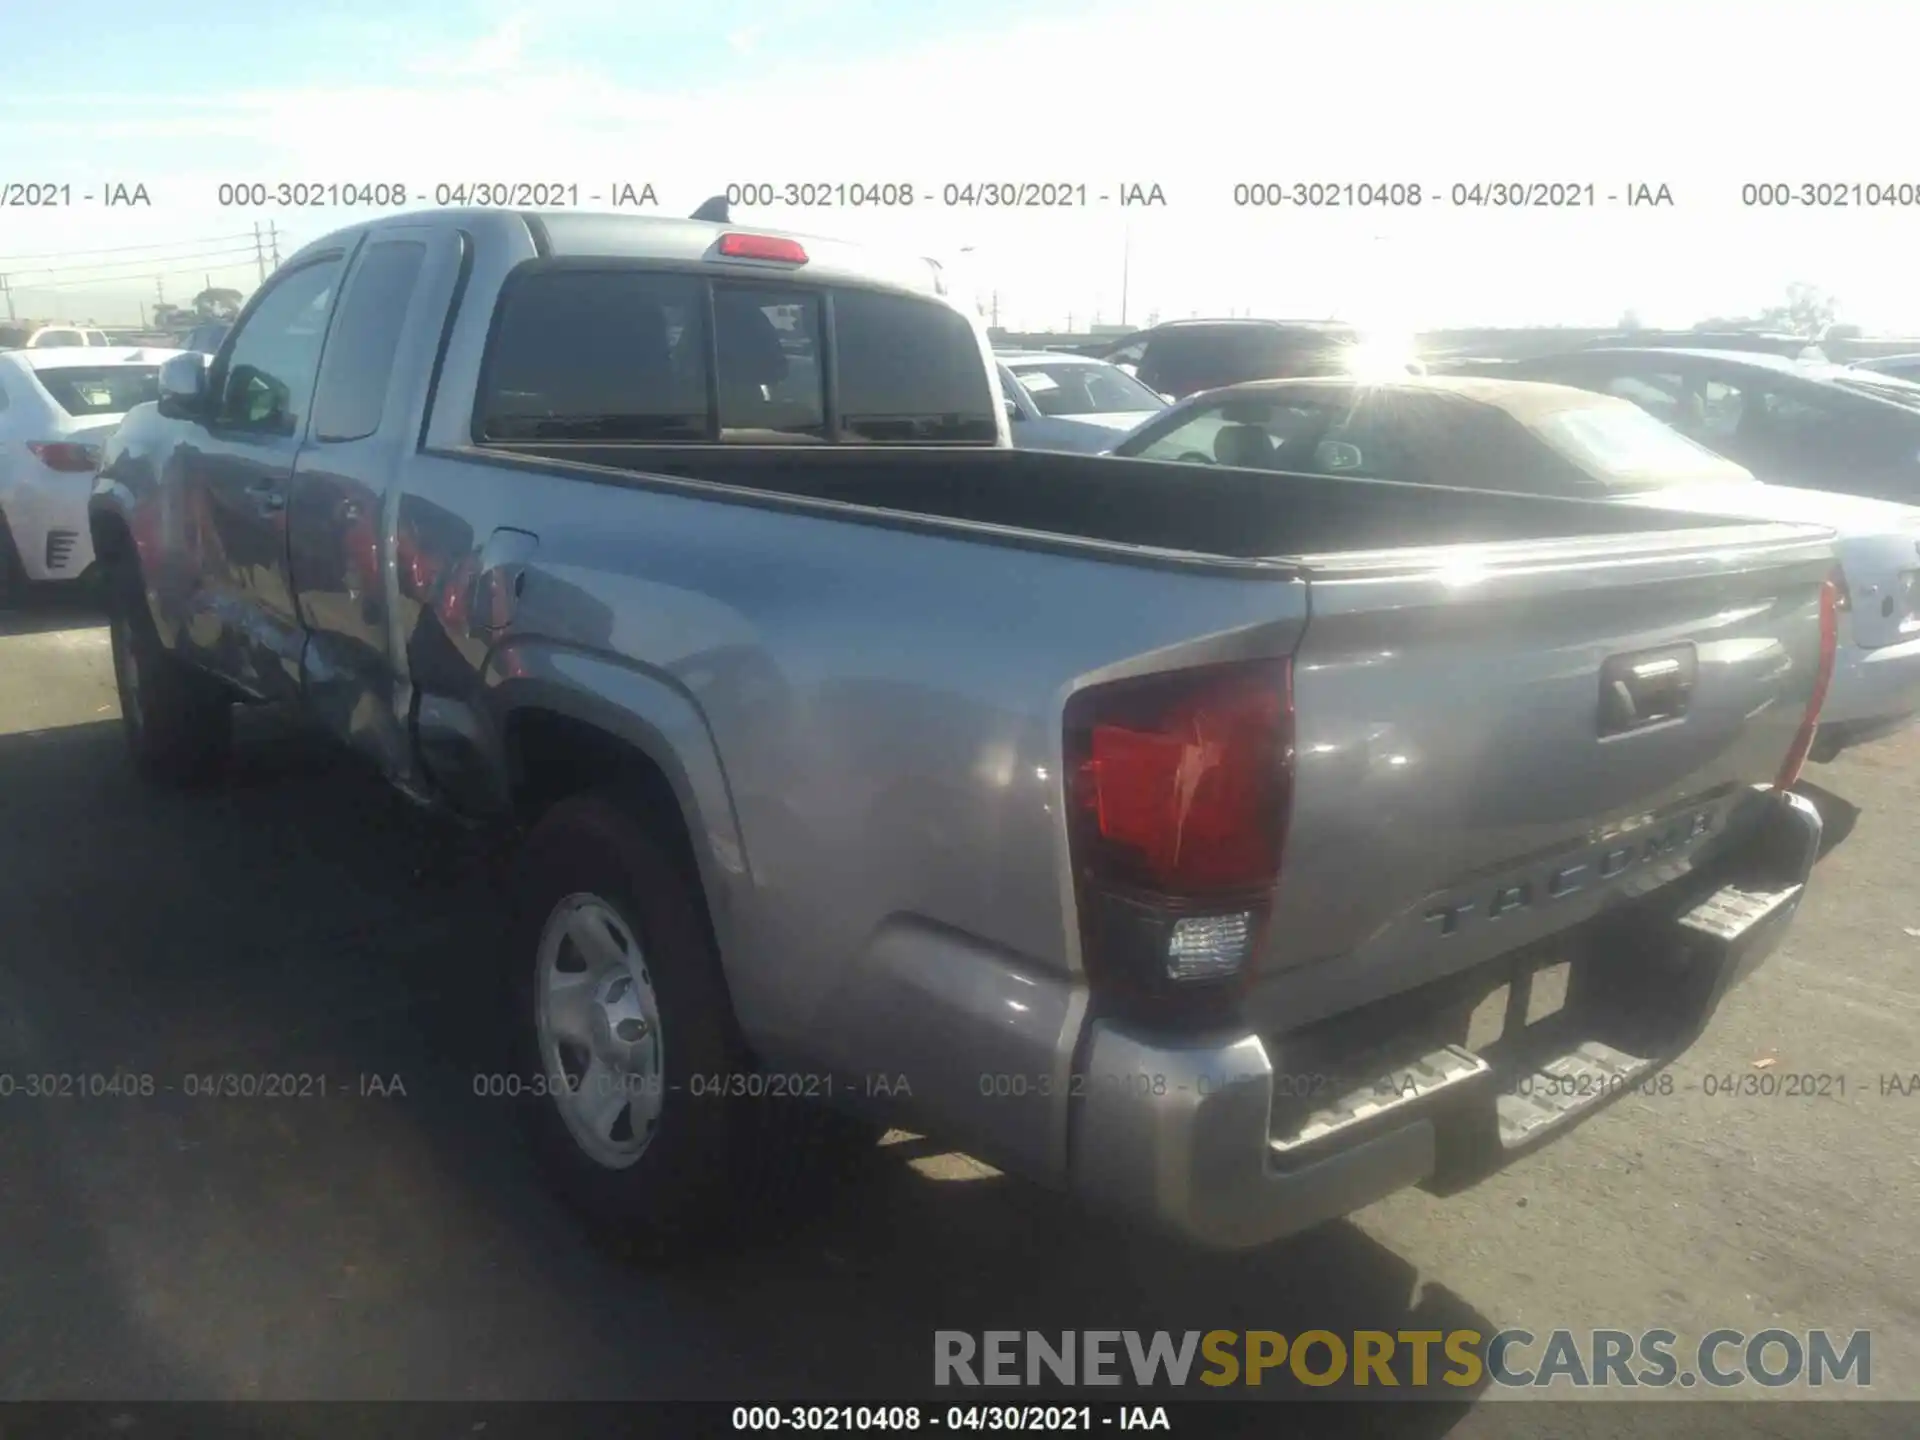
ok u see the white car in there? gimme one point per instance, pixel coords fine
(1071, 402)
(1496, 434)
(56, 407)
(50, 337)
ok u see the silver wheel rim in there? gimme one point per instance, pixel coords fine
(598, 1021)
(128, 666)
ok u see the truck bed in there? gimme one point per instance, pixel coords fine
(1211, 513)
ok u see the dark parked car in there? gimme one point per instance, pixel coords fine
(1184, 356)
(1816, 425)
(1901, 367)
(1759, 342)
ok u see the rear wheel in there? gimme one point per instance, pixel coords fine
(13, 575)
(625, 1034)
(641, 1099)
(178, 722)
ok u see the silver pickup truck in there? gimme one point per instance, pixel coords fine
(1151, 834)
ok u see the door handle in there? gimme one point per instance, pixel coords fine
(267, 496)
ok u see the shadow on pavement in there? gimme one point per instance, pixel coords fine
(1838, 816)
(368, 1230)
(47, 607)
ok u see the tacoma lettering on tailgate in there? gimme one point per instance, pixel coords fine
(1566, 876)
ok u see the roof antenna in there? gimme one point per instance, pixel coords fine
(714, 210)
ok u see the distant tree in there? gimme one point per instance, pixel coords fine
(1807, 312)
(217, 304)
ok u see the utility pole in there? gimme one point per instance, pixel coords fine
(995, 300)
(273, 239)
(1126, 265)
(260, 252)
(6, 288)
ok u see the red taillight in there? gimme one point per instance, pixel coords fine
(1178, 791)
(65, 456)
(763, 247)
(1796, 759)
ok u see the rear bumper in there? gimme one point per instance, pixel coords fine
(48, 520)
(1212, 1141)
(1874, 693)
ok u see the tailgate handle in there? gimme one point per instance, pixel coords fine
(1646, 688)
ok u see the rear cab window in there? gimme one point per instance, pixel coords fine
(624, 354)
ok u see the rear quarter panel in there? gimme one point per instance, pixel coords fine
(882, 707)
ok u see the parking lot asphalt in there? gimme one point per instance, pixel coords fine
(388, 1241)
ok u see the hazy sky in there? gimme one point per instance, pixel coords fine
(1194, 97)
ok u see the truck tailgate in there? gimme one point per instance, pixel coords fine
(1482, 758)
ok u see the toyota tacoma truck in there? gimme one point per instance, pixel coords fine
(1149, 834)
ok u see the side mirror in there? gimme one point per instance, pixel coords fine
(183, 387)
(1013, 411)
(1337, 456)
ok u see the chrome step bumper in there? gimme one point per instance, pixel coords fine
(1214, 1140)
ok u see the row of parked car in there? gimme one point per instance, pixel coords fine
(1728, 431)
(62, 389)
(1153, 823)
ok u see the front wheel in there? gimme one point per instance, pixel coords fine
(178, 723)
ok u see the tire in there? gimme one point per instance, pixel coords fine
(13, 575)
(598, 897)
(178, 723)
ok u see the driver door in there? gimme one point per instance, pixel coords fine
(237, 473)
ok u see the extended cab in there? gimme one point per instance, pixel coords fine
(1152, 833)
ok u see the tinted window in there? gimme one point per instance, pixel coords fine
(1307, 434)
(268, 376)
(1623, 445)
(55, 339)
(909, 370)
(1067, 388)
(100, 389)
(359, 358)
(1203, 357)
(598, 355)
(767, 348)
(1661, 396)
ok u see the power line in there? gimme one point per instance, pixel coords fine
(142, 266)
(123, 249)
(225, 267)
